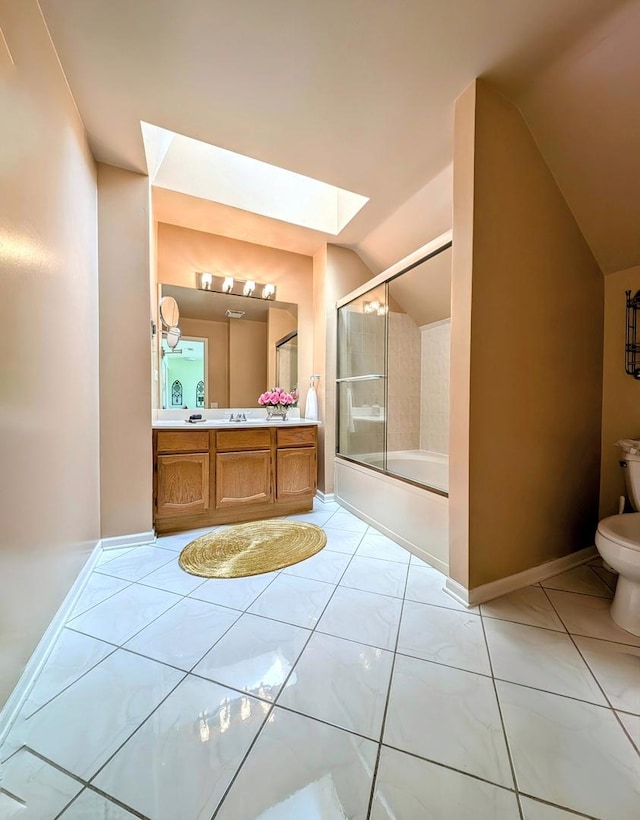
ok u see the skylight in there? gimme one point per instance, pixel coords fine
(199, 169)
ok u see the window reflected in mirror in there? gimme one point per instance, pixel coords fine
(229, 351)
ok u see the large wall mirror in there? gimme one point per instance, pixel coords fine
(231, 350)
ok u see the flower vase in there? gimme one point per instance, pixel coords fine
(277, 413)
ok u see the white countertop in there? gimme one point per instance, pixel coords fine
(225, 424)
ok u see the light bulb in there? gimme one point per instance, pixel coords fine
(248, 288)
(227, 285)
(206, 280)
(268, 291)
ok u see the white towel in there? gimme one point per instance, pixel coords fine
(311, 407)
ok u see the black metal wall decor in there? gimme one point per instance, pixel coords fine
(632, 345)
(200, 394)
(176, 394)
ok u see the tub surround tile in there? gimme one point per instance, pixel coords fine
(617, 668)
(202, 730)
(451, 638)
(589, 616)
(581, 579)
(341, 682)
(167, 640)
(374, 575)
(323, 566)
(42, 791)
(526, 606)
(362, 616)
(120, 617)
(256, 656)
(236, 593)
(448, 716)
(137, 563)
(407, 787)
(314, 770)
(81, 728)
(298, 601)
(571, 753)
(72, 656)
(540, 658)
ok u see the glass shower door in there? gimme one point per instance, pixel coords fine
(361, 383)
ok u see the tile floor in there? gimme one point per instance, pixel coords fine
(348, 686)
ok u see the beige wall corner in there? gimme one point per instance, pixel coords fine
(125, 352)
(182, 252)
(50, 500)
(620, 392)
(535, 374)
(336, 272)
(461, 292)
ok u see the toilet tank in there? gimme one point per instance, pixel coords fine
(631, 466)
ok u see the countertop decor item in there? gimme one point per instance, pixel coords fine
(277, 402)
(251, 549)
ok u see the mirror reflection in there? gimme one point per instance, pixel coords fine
(232, 349)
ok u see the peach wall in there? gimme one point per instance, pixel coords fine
(247, 362)
(620, 392)
(50, 499)
(125, 352)
(534, 365)
(182, 252)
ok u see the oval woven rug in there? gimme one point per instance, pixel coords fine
(251, 549)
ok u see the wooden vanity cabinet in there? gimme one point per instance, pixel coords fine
(208, 477)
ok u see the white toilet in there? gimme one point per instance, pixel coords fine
(618, 542)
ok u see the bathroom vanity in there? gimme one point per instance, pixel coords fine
(226, 473)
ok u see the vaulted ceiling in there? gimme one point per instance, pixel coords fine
(360, 94)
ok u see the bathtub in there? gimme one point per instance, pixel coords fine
(421, 466)
(416, 517)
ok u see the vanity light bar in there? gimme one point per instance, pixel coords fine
(237, 287)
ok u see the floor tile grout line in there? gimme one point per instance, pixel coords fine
(448, 767)
(374, 777)
(502, 723)
(275, 701)
(108, 797)
(73, 614)
(566, 809)
(599, 685)
(73, 682)
(135, 731)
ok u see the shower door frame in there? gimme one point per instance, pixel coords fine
(422, 254)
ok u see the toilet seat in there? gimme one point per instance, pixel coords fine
(622, 529)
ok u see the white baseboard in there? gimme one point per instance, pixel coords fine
(135, 539)
(503, 586)
(40, 654)
(326, 497)
(412, 548)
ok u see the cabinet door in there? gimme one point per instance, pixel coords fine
(243, 478)
(296, 472)
(183, 484)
